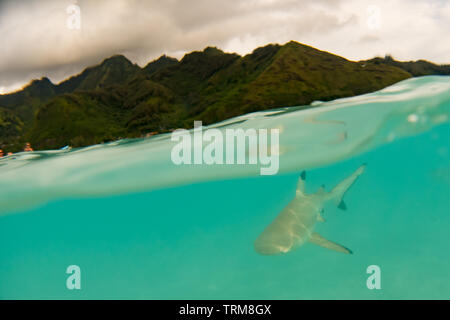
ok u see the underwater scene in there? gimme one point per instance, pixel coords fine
(373, 171)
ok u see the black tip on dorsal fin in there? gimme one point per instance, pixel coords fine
(303, 175)
(342, 205)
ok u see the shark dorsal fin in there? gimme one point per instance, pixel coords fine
(301, 184)
(342, 205)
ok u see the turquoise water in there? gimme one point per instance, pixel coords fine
(140, 227)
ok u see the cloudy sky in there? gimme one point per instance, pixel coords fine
(58, 38)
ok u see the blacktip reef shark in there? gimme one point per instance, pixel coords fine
(294, 226)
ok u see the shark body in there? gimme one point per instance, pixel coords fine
(294, 226)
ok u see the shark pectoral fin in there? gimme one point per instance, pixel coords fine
(321, 241)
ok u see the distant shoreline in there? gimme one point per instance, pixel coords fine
(119, 99)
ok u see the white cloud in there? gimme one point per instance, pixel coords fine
(36, 41)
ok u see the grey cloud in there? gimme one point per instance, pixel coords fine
(368, 38)
(36, 41)
(39, 43)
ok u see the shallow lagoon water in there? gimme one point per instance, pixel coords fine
(188, 233)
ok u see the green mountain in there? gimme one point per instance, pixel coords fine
(119, 99)
(11, 128)
(416, 68)
(25, 103)
(114, 70)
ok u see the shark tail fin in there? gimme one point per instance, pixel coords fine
(301, 184)
(339, 191)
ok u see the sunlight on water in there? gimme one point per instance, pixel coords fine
(140, 227)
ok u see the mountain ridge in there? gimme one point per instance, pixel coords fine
(117, 98)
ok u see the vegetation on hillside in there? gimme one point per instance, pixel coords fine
(119, 99)
(415, 68)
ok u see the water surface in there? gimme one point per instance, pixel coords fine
(140, 227)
